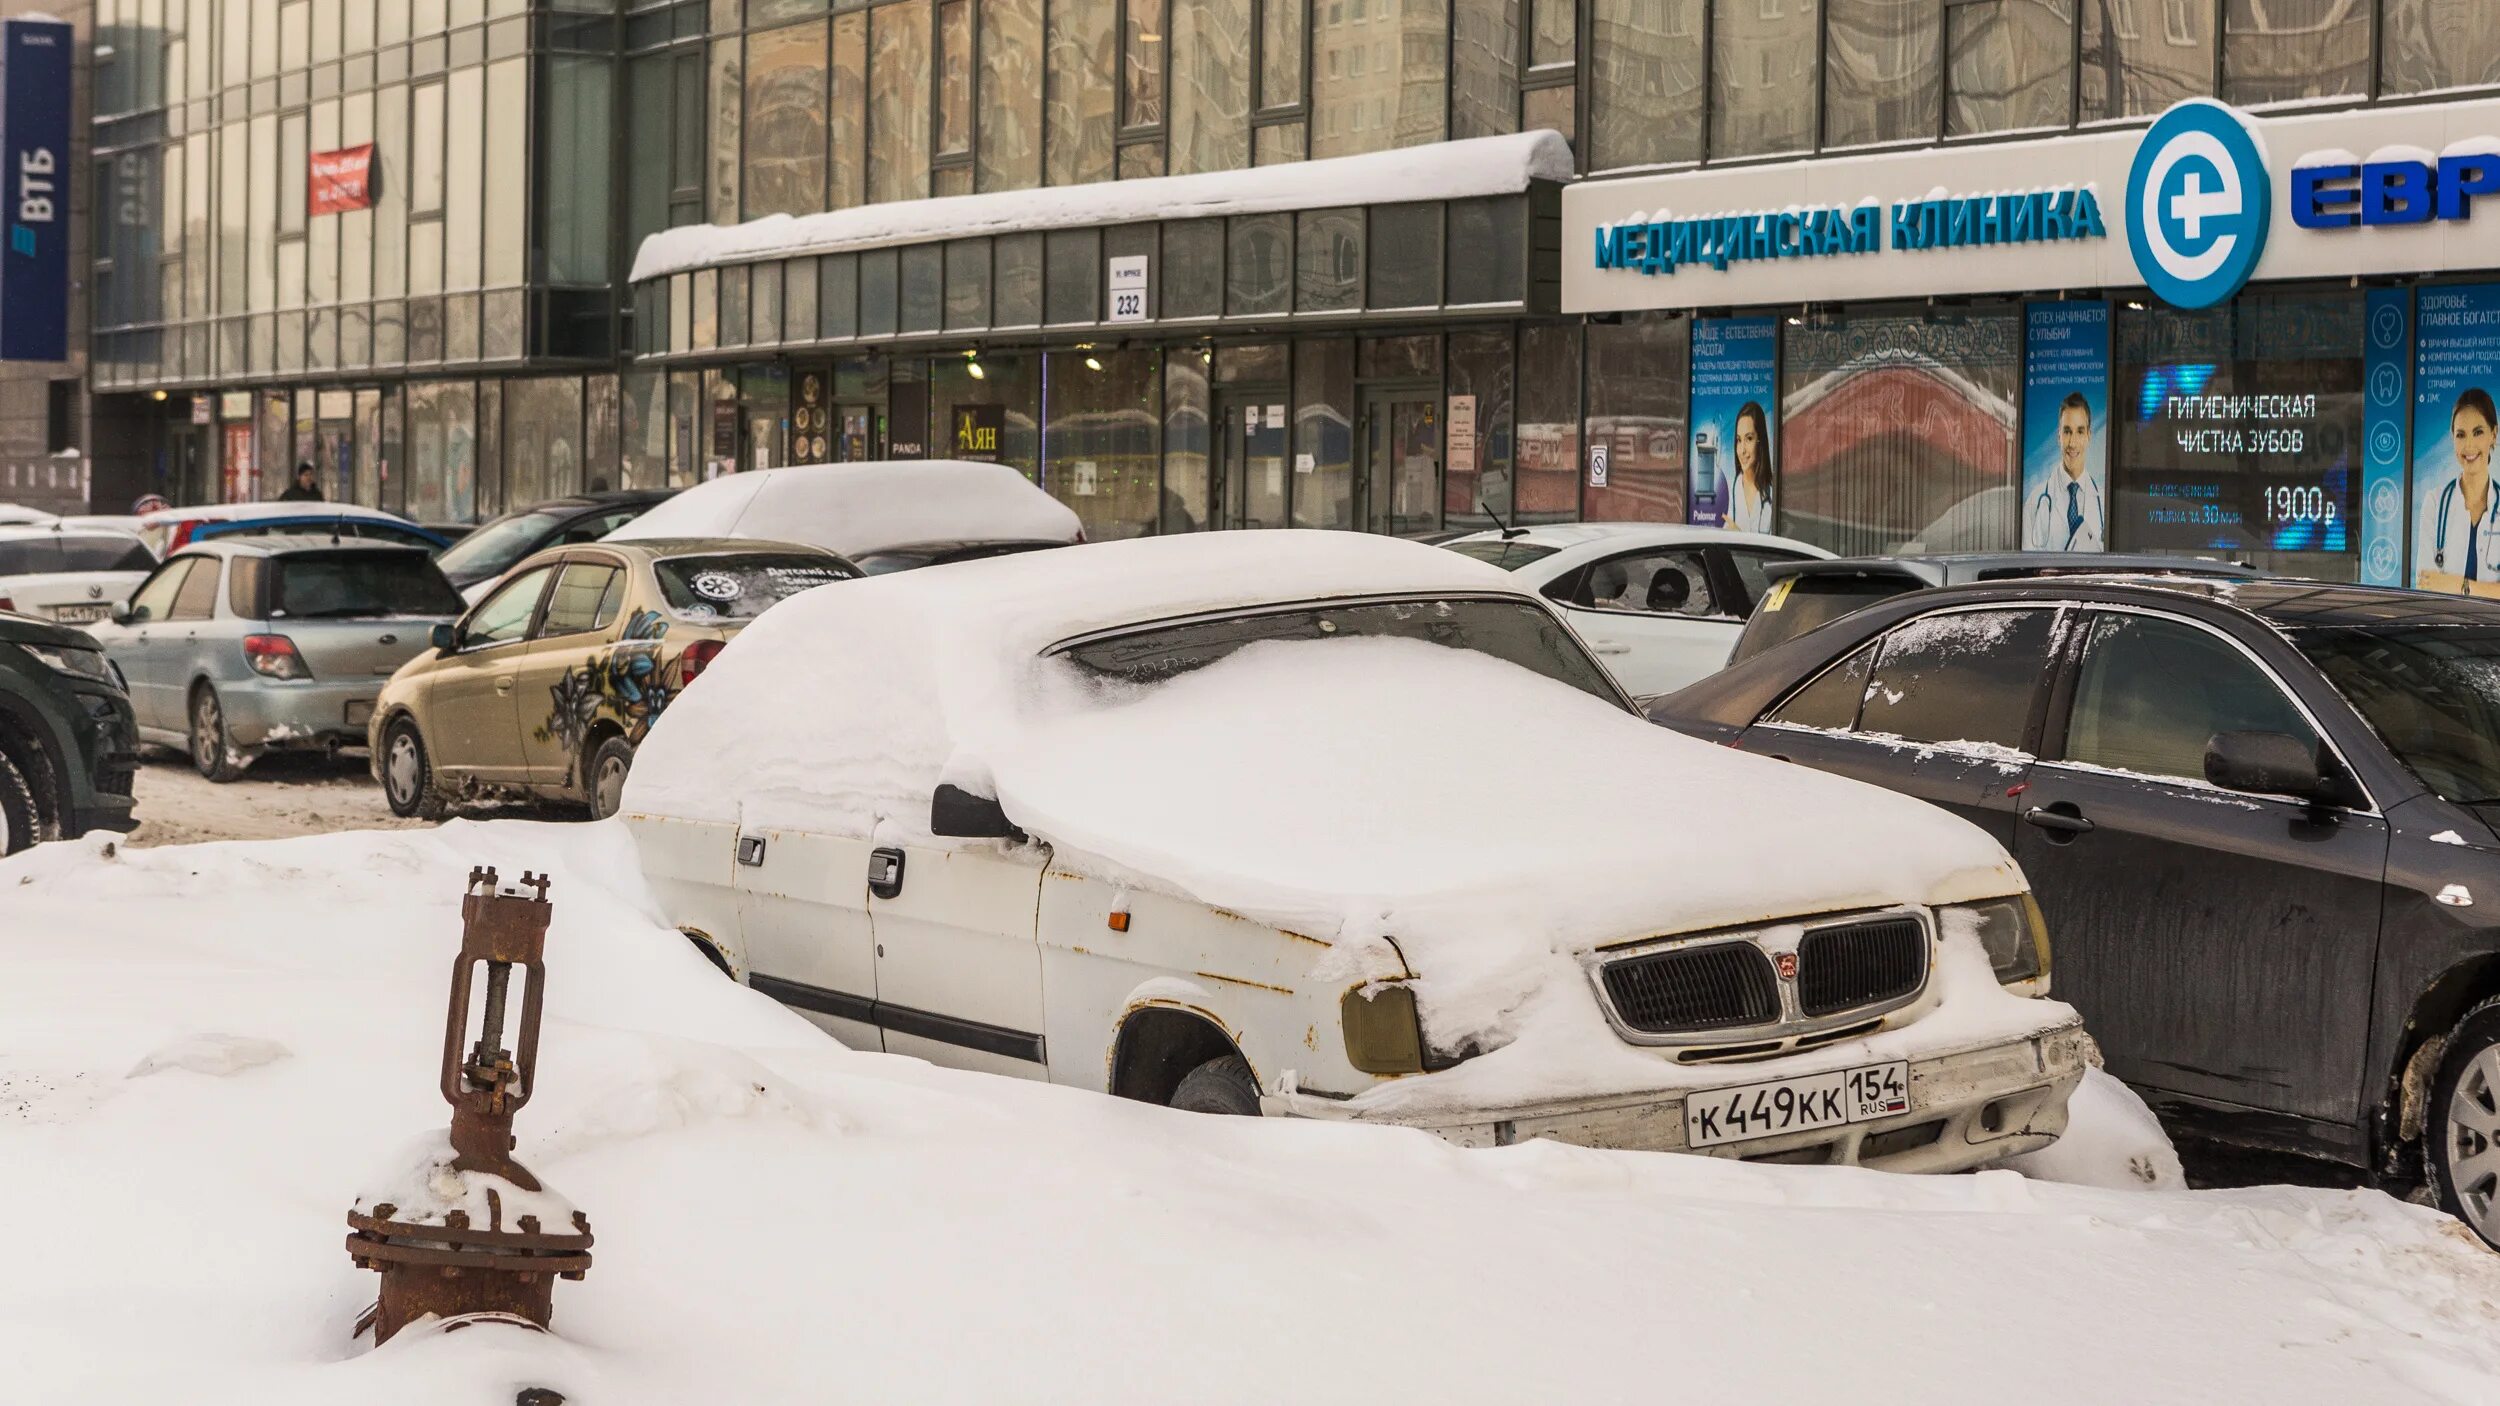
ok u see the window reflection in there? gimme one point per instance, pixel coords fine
(898, 101)
(1100, 446)
(1762, 77)
(2272, 52)
(1379, 75)
(1210, 85)
(1077, 136)
(2009, 66)
(1010, 136)
(1879, 72)
(2139, 59)
(786, 121)
(1645, 71)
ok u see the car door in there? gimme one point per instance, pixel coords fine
(472, 708)
(191, 643)
(2220, 945)
(959, 976)
(802, 903)
(558, 684)
(134, 647)
(1652, 617)
(1944, 706)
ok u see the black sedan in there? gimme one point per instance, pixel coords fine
(486, 554)
(2262, 817)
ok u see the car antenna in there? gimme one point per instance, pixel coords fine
(1508, 531)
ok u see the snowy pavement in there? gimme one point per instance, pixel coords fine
(277, 797)
(199, 1076)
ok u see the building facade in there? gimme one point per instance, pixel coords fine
(1197, 263)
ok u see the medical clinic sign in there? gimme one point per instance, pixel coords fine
(35, 57)
(2194, 207)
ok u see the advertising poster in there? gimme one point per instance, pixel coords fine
(2456, 514)
(34, 155)
(2387, 363)
(2066, 427)
(1734, 468)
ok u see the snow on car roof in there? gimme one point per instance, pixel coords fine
(1564, 535)
(865, 507)
(226, 512)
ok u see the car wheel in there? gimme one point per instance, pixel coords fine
(1219, 1086)
(21, 819)
(2464, 1129)
(210, 752)
(608, 766)
(407, 774)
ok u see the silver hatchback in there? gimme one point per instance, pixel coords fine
(239, 646)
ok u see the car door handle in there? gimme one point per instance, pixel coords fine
(885, 872)
(1610, 647)
(2059, 819)
(504, 684)
(751, 851)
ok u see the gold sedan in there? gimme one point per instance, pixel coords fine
(548, 684)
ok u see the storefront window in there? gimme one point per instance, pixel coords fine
(1879, 71)
(2009, 65)
(442, 443)
(1762, 77)
(1645, 72)
(1476, 483)
(2139, 59)
(1185, 436)
(1010, 137)
(2430, 45)
(1077, 137)
(1638, 383)
(542, 439)
(1210, 85)
(1899, 433)
(646, 430)
(1193, 268)
(1323, 433)
(898, 101)
(1100, 450)
(1549, 425)
(1004, 395)
(2238, 431)
(1484, 93)
(1258, 276)
(2272, 52)
(1380, 75)
(785, 121)
(1328, 261)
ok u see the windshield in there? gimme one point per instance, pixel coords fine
(1510, 556)
(32, 556)
(339, 585)
(1509, 630)
(939, 554)
(723, 586)
(2431, 692)
(492, 549)
(1800, 603)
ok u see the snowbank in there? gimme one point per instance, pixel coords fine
(864, 507)
(2112, 1141)
(781, 1220)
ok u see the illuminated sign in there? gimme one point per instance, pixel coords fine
(35, 58)
(2340, 195)
(1939, 222)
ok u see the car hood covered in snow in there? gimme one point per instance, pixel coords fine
(866, 507)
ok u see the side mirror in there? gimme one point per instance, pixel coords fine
(444, 638)
(956, 812)
(2266, 763)
(123, 614)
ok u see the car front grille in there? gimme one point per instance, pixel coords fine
(1685, 990)
(1860, 964)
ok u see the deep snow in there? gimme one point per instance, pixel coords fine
(207, 1052)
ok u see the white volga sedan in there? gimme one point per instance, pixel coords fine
(1661, 604)
(1336, 826)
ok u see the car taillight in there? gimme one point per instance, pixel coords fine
(698, 654)
(8, 605)
(275, 656)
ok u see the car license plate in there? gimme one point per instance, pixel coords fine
(80, 614)
(359, 712)
(1797, 1105)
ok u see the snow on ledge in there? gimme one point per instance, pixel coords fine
(1457, 170)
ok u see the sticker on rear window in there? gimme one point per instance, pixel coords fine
(1779, 593)
(717, 585)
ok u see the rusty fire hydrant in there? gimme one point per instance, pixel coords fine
(461, 1231)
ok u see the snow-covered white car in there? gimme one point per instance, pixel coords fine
(69, 577)
(1344, 827)
(1660, 603)
(882, 515)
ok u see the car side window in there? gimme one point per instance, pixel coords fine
(155, 600)
(583, 600)
(1671, 581)
(1961, 676)
(243, 588)
(198, 598)
(505, 616)
(2153, 692)
(1750, 564)
(1830, 703)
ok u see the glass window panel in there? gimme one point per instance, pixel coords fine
(1280, 57)
(898, 101)
(1210, 85)
(2009, 66)
(601, 429)
(1193, 268)
(967, 284)
(542, 438)
(1476, 486)
(2429, 45)
(264, 189)
(1380, 75)
(507, 179)
(645, 413)
(1410, 358)
(1277, 143)
(1071, 284)
(2289, 50)
(294, 34)
(924, 288)
(1017, 276)
(2139, 58)
(1548, 471)
(1142, 64)
(734, 282)
(1762, 77)
(1405, 256)
(725, 164)
(1258, 264)
(293, 156)
(848, 119)
(954, 94)
(464, 178)
(1966, 676)
(425, 172)
(2151, 693)
(1010, 136)
(1488, 250)
(1077, 136)
(880, 283)
(1101, 445)
(580, 101)
(764, 304)
(1484, 97)
(1638, 387)
(1552, 110)
(1556, 27)
(1323, 433)
(1328, 260)
(1879, 71)
(798, 288)
(1011, 383)
(786, 121)
(1185, 434)
(688, 157)
(1140, 159)
(1255, 363)
(837, 297)
(1645, 70)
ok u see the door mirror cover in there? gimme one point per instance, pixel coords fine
(123, 614)
(444, 638)
(2266, 763)
(958, 814)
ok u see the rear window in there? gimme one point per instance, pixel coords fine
(1809, 601)
(744, 585)
(1510, 556)
(33, 556)
(914, 558)
(342, 585)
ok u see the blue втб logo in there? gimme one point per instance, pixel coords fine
(2198, 201)
(22, 240)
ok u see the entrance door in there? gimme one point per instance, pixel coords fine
(862, 433)
(1401, 472)
(1248, 472)
(334, 453)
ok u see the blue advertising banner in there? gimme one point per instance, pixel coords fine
(35, 60)
(1735, 382)
(2456, 513)
(2066, 427)
(2385, 371)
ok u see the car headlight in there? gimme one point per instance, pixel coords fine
(77, 663)
(2014, 935)
(1382, 1034)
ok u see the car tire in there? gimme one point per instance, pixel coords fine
(21, 818)
(211, 754)
(1219, 1086)
(603, 781)
(2463, 1124)
(408, 773)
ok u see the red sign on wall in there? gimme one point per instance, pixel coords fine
(340, 180)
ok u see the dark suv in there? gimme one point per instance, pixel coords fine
(67, 744)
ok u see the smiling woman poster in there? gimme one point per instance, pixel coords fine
(2456, 508)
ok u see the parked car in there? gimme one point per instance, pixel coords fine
(168, 530)
(548, 685)
(1209, 822)
(2263, 818)
(882, 516)
(238, 646)
(67, 747)
(19, 515)
(1803, 595)
(1661, 604)
(479, 559)
(69, 577)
